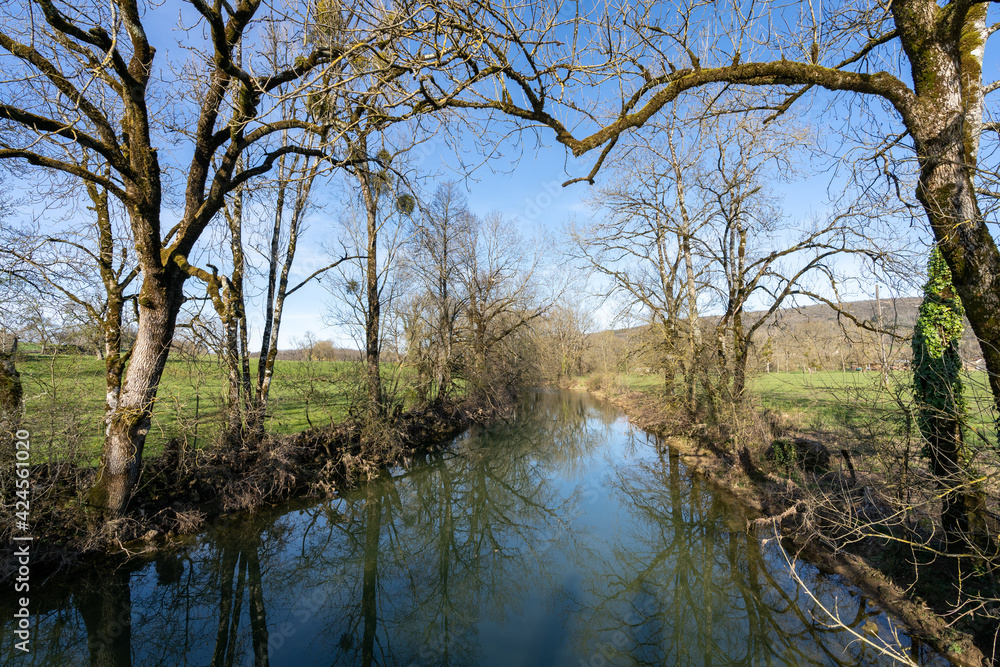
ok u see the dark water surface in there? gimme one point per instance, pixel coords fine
(563, 538)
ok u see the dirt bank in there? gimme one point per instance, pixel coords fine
(180, 493)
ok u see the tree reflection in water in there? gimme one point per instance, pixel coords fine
(688, 585)
(561, 537)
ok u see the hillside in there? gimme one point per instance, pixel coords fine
(819, 337)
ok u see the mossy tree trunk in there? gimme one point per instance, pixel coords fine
(11, 405)
(945, 49)
(129, 423)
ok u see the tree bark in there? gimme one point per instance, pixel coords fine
(741, 352)
(372, 296)
(121, 461)
(11, 408)
(241, 398)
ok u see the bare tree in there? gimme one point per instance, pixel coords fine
(84, 80)
(687, 219)
(644, 239)
(653, 53)
(363, 114)
(293, 184)
(370, 283)
(67, 266)
(565, 332)
(502, 280)
(445, 226)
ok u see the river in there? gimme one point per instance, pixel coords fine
(564, 537)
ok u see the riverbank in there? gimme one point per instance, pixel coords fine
(780, 502)
(182, 493)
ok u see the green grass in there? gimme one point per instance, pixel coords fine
(832, 395)
(645, 383)
(837, 399)
(829, 397)
(64, 400)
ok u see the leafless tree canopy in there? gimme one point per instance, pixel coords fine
(592, 77)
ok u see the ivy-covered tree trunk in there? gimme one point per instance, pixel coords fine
(937, 388)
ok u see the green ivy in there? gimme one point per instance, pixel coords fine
(937, 385)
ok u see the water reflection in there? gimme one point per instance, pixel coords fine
(687, 585)
(561, 538)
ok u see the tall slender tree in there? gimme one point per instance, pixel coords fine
(445, 226)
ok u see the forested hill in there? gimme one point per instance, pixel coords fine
(819, 336)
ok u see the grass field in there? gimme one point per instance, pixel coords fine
(64, 400)
(830, 396)
(827, 400)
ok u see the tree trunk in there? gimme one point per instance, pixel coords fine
(945, 126)
(741, 350)
(945, 445)
(669, 360)
(121, 461)
(684, 235)
(114, 289)
(243, 393)
(969, 249)
(372, 341)
(114, 361)
(694, 335)
(445, 319)
(231, 354)
(443, 374)
(937, 390)
(372, 296)
(11, 408)
(273, 305)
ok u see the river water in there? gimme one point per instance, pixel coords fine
(562, 538)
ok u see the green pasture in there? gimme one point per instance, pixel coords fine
(828, 400)
(832, 396)
(64, 400)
